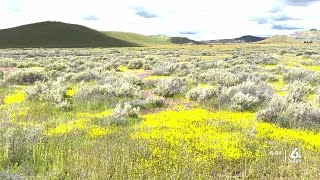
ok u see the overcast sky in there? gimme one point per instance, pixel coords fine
(199, 20)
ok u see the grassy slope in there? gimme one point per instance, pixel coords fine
(149, 40)
(56, 34)
(278, 40)
(138, 38)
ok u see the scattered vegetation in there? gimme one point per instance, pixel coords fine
(195, 112)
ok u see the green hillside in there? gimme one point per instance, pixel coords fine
(149, 40)
(279, 39)
(183, 40)
(138, 38)
(56, 34)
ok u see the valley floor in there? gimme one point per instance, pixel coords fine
(245, 111)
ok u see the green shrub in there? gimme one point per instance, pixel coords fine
(25, 77)
(112, 86)
(201, 93)
(122, 114)
(53, 92)
(19, 143)
(169, 87)
(93, 93)
(156, 101)
(27, 64)
(246, 96)
(147, 66)
(242, 102)
(7, 63)
(290, 114)
(298, 74)
(269, 60)
(135, 64)
(219, 76)
(56, 66)
(298, 91)
(86, 76)
(164, 69)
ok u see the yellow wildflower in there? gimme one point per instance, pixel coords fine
(70, 92)
(14, 98)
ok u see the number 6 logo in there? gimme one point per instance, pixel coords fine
(295, 154)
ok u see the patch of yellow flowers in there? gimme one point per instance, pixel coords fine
(202, 135)
(16, 98)
(194, 131)
(83, 124)
(70, 92)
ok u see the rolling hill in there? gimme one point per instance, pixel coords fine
(308, 35)
(250, 38)
(183, 40)
(57, 34)
(242, 39)
(279, 39)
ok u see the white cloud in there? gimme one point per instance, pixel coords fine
(211, 19)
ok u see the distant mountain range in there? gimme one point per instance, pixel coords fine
(57, 34)
(309, 35)
(242, 39)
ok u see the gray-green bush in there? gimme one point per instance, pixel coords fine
(290, 114)
(122, 113)
(25, 77)
(298, 91)
(135, 64)
(169, 87)
(53, 92)
(246, 96)
(298, 74)
(201, 93)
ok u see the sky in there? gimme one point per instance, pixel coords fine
(199, 20)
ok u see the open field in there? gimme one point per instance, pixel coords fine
(163, 112)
